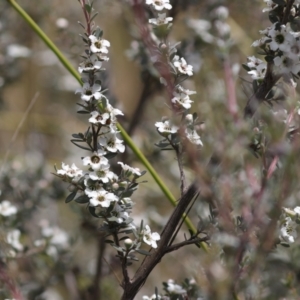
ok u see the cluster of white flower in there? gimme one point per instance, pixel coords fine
(217, 31)
(8, 211)
(284, 44)
(288, 225)
(181, 97)
(54, 240)
(106, 193)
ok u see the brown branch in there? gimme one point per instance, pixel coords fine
(131, 289)
(185, 243)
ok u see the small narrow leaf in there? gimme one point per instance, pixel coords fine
(143, 252)
(71, 197)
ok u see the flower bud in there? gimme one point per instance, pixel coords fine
(128, 243)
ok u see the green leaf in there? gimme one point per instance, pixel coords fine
(78, 135)
(83, 112)
(81, 147)
(143, 252)
(94, 16)
(285, 244)
(82, 199)
(92, 211)
(246, 67)
(109, 241)
(71, 197)
(88, 8)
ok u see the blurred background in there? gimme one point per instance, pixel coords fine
(38, 95)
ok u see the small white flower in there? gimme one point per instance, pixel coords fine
(260, 42)
(13, 237)
(161, 20)
(193, 136)
(259, 73)
(112, 143)
(174, 288)
(57, 237)
(72, 172)
(99, 45)
(90, 64)
(150, 238)
(202, 28)
(166, 128)
(182, 100)
(254, 62)
(297, 210)
(182, 66)
(96, 160)
(111, 110)
(88, 92)
(270, 5)
(286, 65)
(280, 39)
(97, 118)
(159, 4)
(102, 173)
(288, 231)
(129, 169)
(101, 198)
(7, 209)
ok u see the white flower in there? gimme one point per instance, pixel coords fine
(88, 92)
(258, 67)
(129, 169)
(12, 238)
(288, 231)
(166, 127)
(159, 4)
(255, 63)
(182, 98)
(99, 118)
(57, 236)
(259, 73)
(260, 42)
(72, 172)
(175, 288)
(7, 209)
(90, 64)
(112, 143)
(193, 136)
(102, 173)
(153, 297)
(294, 50)
(201, 28)
(111, 110)
(150, 238)
(270, 5)
(280, 39)
(286, 65)
(98, 45)
(161, 20)
(96, 160)
(297, 210)
(182, 66)
(101, 198)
